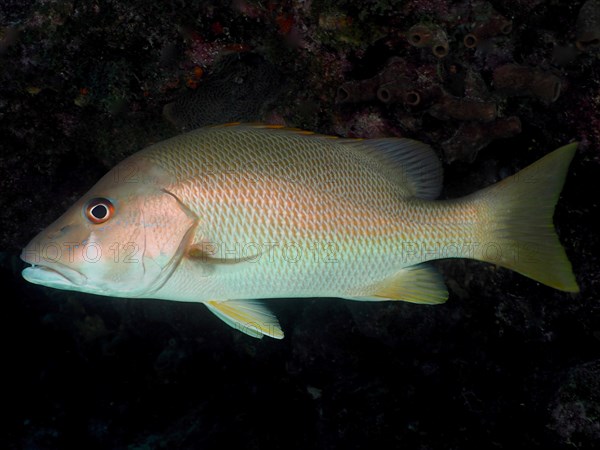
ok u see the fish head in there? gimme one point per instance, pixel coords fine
(123, 238)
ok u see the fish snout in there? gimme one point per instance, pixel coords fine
(52, 245)
(31, 253)
(50, 264)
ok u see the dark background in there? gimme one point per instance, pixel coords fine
(505, 363)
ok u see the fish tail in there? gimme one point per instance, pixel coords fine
(516, 221)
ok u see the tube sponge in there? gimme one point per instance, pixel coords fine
(523, 80)
(357, 91)
(366, 90)
(490, 23)
(450, 107)
(397, 90)
(429, 35)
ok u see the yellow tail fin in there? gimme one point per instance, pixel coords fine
(517, 219)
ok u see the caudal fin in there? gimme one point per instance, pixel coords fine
(518, 221)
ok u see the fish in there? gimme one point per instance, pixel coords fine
(233, 215)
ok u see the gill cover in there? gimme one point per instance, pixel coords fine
(122, 238)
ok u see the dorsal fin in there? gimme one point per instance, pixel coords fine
(410, 162)
(406, 161)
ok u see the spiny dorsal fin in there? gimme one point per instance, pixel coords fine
(416, 284)
(248, 316)
(278, 128)
(410, 162)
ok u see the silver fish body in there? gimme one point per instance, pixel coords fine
(232, 214)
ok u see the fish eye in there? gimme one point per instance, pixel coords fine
(99, 210)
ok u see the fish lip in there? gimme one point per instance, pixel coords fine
(52, 274)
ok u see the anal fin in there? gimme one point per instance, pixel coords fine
(248, 316)
(417, 284)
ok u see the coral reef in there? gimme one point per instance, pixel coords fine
(490, 24)
(415, 84)
(422, 89)
(588, 26)
(450, 107)
(240, 88)
(514, 79)
(473, 136)
(429, 36)
(367, 90)
(402, 90)
(575, 412)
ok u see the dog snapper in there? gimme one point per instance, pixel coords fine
(234, 214)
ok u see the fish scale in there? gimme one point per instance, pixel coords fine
(366, 217)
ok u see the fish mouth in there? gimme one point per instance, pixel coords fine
(55, 275)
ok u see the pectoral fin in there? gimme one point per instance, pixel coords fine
(209, 260)
(417, 284)
(207, 253)
(248, 316)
